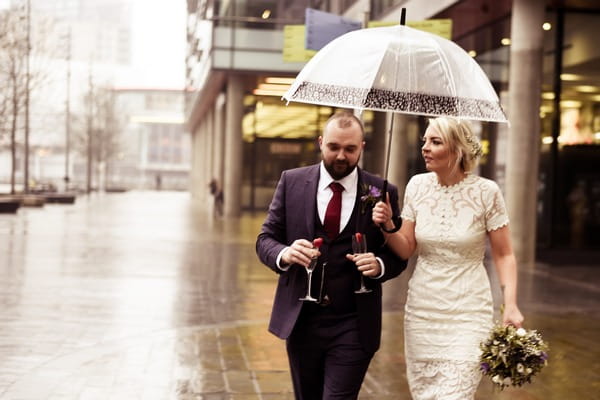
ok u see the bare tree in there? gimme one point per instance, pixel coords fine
(12, 71)
(98, 137)
(108, 130)
(19, 79)
(4, 83)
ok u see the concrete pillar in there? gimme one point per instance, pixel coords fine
(204, 175)
(219, 128)
(210, 143)
(398, 170)
(206, 159)
(232, 188)
(201, 162)
(524, 133)
(195, 167)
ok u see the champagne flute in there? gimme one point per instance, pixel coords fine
(359, 245)
(309, 270)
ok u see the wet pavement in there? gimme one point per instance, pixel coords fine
(140, 296)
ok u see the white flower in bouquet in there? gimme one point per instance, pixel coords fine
(511, 356)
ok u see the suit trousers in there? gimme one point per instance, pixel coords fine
(327, 360)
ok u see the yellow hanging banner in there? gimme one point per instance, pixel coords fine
(294, 36)
(440, 27)
(294, 50)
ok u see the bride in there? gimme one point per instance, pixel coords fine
(448, 213)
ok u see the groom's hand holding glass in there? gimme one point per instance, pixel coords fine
(300, 252)
(365, 262)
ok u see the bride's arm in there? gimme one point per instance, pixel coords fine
(506, 268)
(402, 242)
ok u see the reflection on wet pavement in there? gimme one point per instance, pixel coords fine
(140, 296)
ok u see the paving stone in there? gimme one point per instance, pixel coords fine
(139, 295)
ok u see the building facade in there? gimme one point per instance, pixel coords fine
(244, 135)
(154, 149)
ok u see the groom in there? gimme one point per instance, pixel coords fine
(330, 343)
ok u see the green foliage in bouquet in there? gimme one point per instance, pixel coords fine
(511, 356)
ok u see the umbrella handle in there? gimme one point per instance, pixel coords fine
(395, 220)
(383, 197)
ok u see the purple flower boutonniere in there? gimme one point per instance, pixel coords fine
(370, 196)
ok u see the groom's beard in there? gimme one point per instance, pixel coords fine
(339, 169)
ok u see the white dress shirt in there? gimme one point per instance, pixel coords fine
(324, 194)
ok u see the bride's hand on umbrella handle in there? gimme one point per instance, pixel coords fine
(382, 213)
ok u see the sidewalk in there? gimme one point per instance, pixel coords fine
(139, 296)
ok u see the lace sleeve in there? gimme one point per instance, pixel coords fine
(408, 209)
(496, 215)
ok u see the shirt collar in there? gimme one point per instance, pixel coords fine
(348, 182)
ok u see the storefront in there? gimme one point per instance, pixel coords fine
(569, 173)
(279, 136)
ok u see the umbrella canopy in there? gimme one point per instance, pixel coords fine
(398, 69)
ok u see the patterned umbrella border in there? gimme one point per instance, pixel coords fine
(403, 102)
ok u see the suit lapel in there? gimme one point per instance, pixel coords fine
(363, 220)
(360, 217)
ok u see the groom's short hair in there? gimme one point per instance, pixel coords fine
(345, 119)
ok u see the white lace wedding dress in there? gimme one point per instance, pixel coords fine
(449, 308)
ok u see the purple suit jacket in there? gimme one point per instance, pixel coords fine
(291, 216)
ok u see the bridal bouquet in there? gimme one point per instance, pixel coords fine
(511, 356)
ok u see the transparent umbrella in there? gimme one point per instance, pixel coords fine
(398, 69)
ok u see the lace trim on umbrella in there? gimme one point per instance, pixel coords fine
(387, 100)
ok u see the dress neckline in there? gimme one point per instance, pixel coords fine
(453, 187)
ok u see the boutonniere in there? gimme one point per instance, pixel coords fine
(370, 195)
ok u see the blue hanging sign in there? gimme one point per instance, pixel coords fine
(323, 27)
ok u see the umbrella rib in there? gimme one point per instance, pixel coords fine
(446, 69)
(374, 77)
(389, 141)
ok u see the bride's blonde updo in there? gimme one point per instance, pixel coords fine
(461, 141)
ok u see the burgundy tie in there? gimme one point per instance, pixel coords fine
(334, 211)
